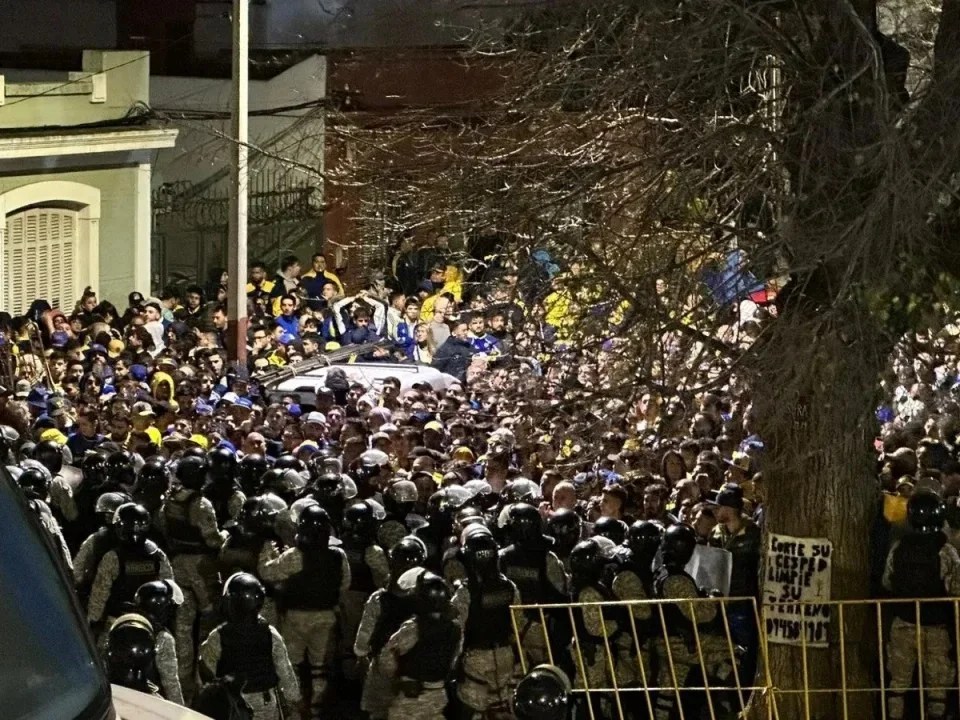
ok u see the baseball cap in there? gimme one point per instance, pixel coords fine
(37, 398)
(229, 398)
(135, 298)
(293, 410)
(245, 403)
(22, 389)
(203, 408)
(96, 349)
(144, 409)
(115, 347)
(59, 339)
(730, 496)
(54, 435)
(199, 440)
(434, 425)
(315, 418)
(138, 372)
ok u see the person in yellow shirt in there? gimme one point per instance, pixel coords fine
(313, 280)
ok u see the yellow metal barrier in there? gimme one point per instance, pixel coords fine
(712, 657)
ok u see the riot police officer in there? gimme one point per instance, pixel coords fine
(93, 484)
(152, 486)
(135, 560)
(93, 549)
(421, 655)
(50, 454)
(314, 578)
(437, 534)
(130, 652)
(484, 601)
(369, 570)
(385, 611)
(254, 527)
(598, 629)
(121, 470)
(566, 528)
(222, 489)
(922, 564)
(156, 601)
(189, 523)
(250, 651)
(35, 480)
(250, 474)
(532, 566)
(684, 624)
(399, 500)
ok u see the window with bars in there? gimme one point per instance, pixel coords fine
(40, 258)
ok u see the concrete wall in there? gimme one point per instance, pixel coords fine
(123, 192)
(201, 150)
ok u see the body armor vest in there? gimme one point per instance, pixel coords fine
(430, 660)
(136, 567)
(246, 652)
(317, 585)
(527, 568)
(394, 611)
(184, 537)
(361, 577)
(489, 624)
(916, 574)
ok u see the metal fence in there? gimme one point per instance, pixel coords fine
(711, 657)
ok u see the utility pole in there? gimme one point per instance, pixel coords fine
(237, 238)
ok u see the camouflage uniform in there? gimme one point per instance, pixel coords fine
(921, 566)
(167, 668)
(677, 655)
(488, 669)
(429, 700)
(189, 523)
(266, 705)
(51, 525)
(369, 571)
(385, 611)
(109, 571)
(308, 609)
(540, 577)
(628, 585)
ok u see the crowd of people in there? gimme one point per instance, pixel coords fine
(237, 549)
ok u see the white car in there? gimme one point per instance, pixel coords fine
(370, 375)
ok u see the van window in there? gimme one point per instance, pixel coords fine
(48, 665)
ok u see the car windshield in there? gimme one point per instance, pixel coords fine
(48, 664)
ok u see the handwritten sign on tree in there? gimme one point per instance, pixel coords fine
(796, 584)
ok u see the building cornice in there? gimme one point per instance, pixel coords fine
(85, 143)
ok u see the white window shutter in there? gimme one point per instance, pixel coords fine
(40, 258)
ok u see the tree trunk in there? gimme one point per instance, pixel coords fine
(819, 386)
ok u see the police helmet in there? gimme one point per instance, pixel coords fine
(121, 467)
(155, 600)
(679, 542)
(243, 598)
(359, 519)
(50, 455)
(131, 647)
(93, 469)
(35, 483)
(313, 528)
(132, 523)
(544, 694)
(522, 490)
(586, 559)
(432, 595)
(565, 526)
(408, 553)
(192, 472)
(643, 537)
(153, 476)
(524, 523)
(926, 512)
(608, 527)
(107, 505)
(221, 464)
(250, 473)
